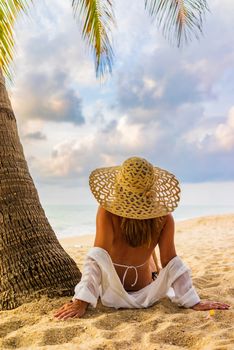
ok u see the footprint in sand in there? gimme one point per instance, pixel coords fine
(8, 327)
(151, 326)
(53, 336)
(110, 335)
(108, 323)
(175, 336)
(199, 282)
(13, 342)
(205, 282)
(112, 321)
(61, 335)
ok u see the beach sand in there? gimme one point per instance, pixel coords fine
(205, 244)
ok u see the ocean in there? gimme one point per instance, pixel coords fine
(78, 220)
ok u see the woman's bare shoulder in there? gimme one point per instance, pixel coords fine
(168, 227)
(102, 212)
(103, 228)
(169, 219)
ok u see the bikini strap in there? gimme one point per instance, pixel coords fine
(128, 267)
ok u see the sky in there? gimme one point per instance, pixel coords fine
(175, 107)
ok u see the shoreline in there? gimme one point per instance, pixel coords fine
(88, 239)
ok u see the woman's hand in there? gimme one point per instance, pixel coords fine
(210, 305)
(73, 309)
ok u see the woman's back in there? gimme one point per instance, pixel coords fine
(110, 237)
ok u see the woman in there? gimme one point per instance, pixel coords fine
(136, 201)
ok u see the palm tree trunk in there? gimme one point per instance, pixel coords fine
(32, 262)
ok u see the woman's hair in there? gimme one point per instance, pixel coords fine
(139, 232)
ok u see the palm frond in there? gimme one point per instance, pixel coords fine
(178, 19)
(9, 10)
(97, 19)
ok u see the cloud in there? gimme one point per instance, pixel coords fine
(48, 97)
(51, 67)
(216, 137)
(167, 105)
(38, 135)
(72, 158)
(224, 133)
(187, 153)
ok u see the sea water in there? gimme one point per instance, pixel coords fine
(78, 220)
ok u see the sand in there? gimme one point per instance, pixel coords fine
(205, 244)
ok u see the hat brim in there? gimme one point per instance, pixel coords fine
(163, 198)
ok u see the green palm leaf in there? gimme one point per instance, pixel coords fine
(179, 19)
(9, 10)
(97, 20)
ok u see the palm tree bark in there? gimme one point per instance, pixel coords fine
(32, 262)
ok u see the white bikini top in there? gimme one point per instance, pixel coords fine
(128, 267)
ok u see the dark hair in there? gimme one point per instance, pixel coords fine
(139, 232)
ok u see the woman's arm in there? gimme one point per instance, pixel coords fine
(166, 241)
(183, 285)
(87, 290)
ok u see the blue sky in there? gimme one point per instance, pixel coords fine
(173, 106)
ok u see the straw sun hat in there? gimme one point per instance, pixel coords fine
(136, 189)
